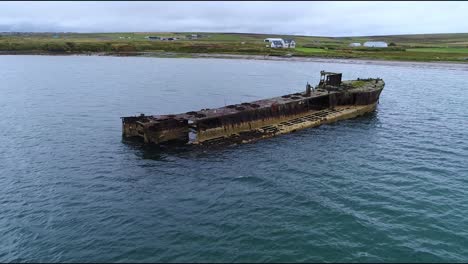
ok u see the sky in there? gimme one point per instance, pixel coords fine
(317, 18)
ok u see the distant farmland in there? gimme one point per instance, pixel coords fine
(426, 47)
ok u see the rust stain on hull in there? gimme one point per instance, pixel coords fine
(332, 100)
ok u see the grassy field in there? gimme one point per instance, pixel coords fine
(310, 50)
(440, 50)
(427, 47)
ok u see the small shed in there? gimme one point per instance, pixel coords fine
(375, 44)
(193, 36)
(168, 38)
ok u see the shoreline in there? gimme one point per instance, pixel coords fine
(333, 60)
(250, 57)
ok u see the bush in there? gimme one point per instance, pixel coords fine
(71, 46)
(313, 46)
(55, 47)
(92, 47)
(123, 48)
(4, 46)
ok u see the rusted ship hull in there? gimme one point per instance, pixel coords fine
(331, 101)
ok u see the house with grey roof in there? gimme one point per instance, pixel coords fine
(280, 43)
(290, 43)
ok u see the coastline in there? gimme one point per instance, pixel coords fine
(334, 60)
(367, 61)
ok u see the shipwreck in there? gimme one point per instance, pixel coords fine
(329, 101)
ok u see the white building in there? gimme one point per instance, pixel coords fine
(375, 44)
(275, 42)
(355, 44)
(280, 43)
(272, 39)
(193, 36)
(290, 43)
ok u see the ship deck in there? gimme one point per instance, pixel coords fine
(196, 116)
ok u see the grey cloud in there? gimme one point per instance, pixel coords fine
(303, 18)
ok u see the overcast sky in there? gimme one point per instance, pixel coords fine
(299, 18)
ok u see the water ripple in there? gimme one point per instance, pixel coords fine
(389, 186)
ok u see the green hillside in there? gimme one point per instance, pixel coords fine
(423, 47)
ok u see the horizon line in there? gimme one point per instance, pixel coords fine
(211, 32)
